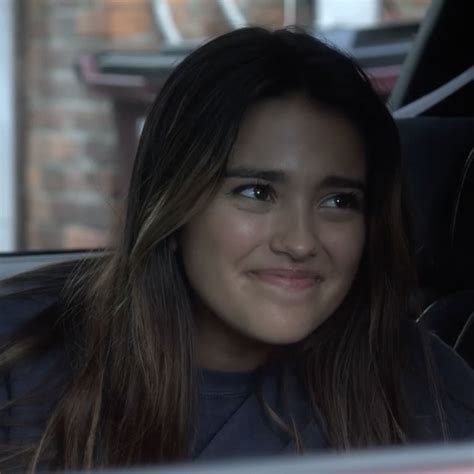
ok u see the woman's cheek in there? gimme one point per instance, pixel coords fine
(238, 231)
(344, 243)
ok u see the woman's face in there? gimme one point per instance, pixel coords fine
(276, 250)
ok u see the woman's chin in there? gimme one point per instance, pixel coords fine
(283, 337)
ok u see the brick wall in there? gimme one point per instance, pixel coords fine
(68, 140)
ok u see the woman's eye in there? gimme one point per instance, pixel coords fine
(259, 192)
(343, 201)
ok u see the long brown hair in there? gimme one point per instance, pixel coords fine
(124, 319)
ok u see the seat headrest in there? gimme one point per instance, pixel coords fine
(462, 237)
(435, 154)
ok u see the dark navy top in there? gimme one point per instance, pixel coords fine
(230, 420)
(221, 396)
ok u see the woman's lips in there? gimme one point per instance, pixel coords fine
(289, 279)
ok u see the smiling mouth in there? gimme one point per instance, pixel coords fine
(287, 279)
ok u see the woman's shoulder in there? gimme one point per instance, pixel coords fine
(19, 308)
(36, 377)
(429, 358)
(29, 294)
(456, 376)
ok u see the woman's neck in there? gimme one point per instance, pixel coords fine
(220, 347)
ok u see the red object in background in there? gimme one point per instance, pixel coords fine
(383, 78)
(133, 91)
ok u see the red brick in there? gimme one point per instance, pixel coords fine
(56, 86)
(129, 21)
(83, 237)
(71, 154)
(98, 181)
(48, 237)
(90, 120)
(52, 179)
(39, 209)
(87, 117)
(59, 57)
(198, 20)
(82, 210)
(117, 19)
(265, 12)
(101, 152)
(49, 118)
(32, 177)
(91, 23)
(52, 146)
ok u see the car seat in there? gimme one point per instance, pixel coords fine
(438, 157)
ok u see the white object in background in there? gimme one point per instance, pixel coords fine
(341, 13)
(289, 12)
(164, 19)
(7, 128)
(233, 13)
(426, 102)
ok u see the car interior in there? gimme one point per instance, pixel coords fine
(434, 109)
(433, 105)
(434, 112)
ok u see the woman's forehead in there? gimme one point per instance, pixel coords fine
(293, 136)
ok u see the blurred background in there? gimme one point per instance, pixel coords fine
(78, 76)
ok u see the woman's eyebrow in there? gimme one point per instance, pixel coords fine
(267, 175)
(333, 181)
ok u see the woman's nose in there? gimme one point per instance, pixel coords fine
(295, 234)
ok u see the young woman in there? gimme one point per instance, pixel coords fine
(257, 300)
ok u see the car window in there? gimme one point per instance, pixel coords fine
(78, 77)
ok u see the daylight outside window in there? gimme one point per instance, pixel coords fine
(77, 78)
